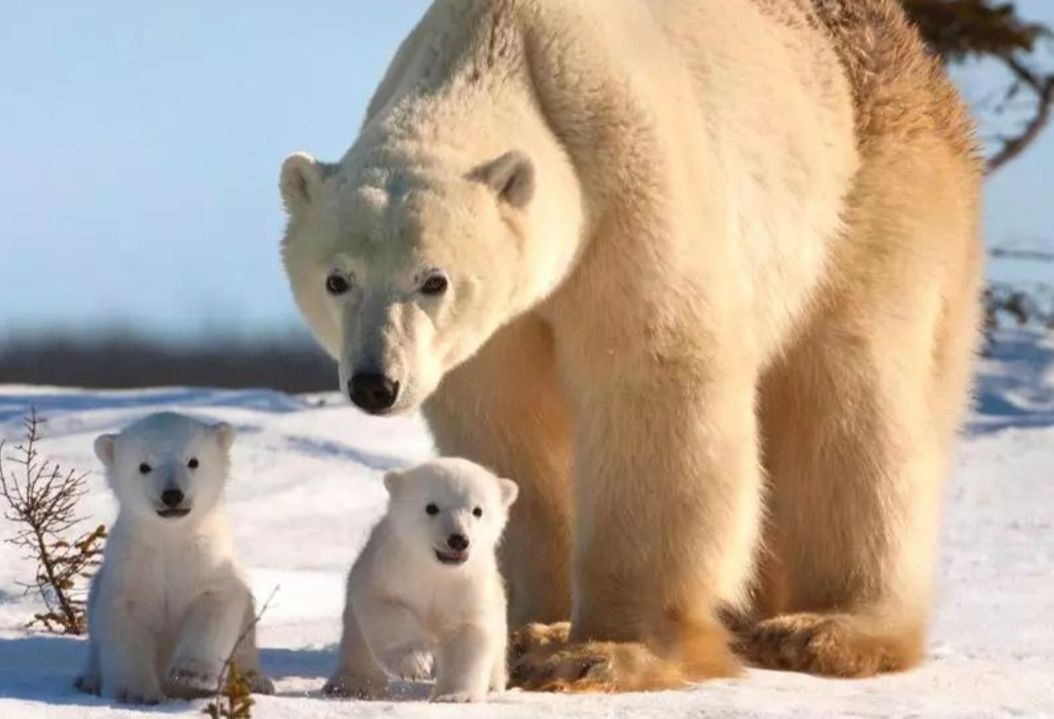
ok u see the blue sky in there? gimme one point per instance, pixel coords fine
(141, 142)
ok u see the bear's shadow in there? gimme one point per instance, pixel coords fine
(42, 669)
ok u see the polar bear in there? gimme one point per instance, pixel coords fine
(169, 602)
(704, 278)
(427, 585)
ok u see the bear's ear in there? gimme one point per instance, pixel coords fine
(104, 447)
(392, 480)
(509, 492)
(224, 435)
(302, 175)
(511, 176)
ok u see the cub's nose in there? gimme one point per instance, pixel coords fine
(172, 497)
(457, 542)
(373, 392)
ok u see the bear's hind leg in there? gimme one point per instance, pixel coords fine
(856, 453)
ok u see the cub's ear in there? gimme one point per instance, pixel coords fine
(509, 492)
(225, 434)
(302, 176)
(392, 480)
(511, 176)
(104, 447)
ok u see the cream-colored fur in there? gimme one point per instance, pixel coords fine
(169, 604)
(719, 306)
(415, 592)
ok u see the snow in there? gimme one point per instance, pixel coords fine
(306, 489)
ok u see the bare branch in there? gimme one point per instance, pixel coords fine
(1043, 88)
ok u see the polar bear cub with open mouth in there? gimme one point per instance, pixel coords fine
(427, 586)
(169, 603)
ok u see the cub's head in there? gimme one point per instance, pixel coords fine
(404, 262)
(451, 510)
(167, 466)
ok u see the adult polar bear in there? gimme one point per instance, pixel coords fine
(649, 258)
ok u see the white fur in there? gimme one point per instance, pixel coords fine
(405, 606)
(169, 602)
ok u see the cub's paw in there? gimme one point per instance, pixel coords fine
(412, 665)
(459, 697)
(191, 679)
(88, 683)
(134, 694)
(349, 686)
(259, 683)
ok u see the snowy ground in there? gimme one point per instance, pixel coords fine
(306, 488)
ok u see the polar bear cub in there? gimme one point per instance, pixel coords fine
(169, 602)
(427, 586)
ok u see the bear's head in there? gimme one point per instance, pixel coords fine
(167, 467)
(450, 510)
(404, 262)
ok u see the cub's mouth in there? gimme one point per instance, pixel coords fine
(171, 513)
(451, 557)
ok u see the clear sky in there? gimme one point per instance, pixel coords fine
(140, 144)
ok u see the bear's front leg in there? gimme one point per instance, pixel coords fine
(505, 409)
(668, 501)
(207, 635)
(464, 664)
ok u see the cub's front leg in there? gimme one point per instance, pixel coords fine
(207, 635)
(126, 654)
(359, 675)
(465, 665)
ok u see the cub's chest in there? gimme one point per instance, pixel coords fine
(158, 584)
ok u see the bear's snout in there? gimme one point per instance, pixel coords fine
(172, 497)
(457, 542)
(372, 391)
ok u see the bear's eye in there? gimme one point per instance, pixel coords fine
(477, 512)
(337, 284)
(434, 285)
(145, 468)
(432, 510)
(193, 463)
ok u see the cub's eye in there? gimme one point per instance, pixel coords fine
(477, 512)
(145, 468)
(337, 284)
(193, 463)
(432, 510)
(434, 285)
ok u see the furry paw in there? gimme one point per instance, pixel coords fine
(259, 683)
(548, 662)
(459, 697)
(191, 679)
(349, 686)
(535, 636)
(559, 667)
(88, 683)
(134, 694)
(412, 664)
(829, 645)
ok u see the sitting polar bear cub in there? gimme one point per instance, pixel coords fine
(169, 603)
(427, 583)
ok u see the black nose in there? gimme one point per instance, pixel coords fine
(172, 497)
(373, 392)
(457, 542)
